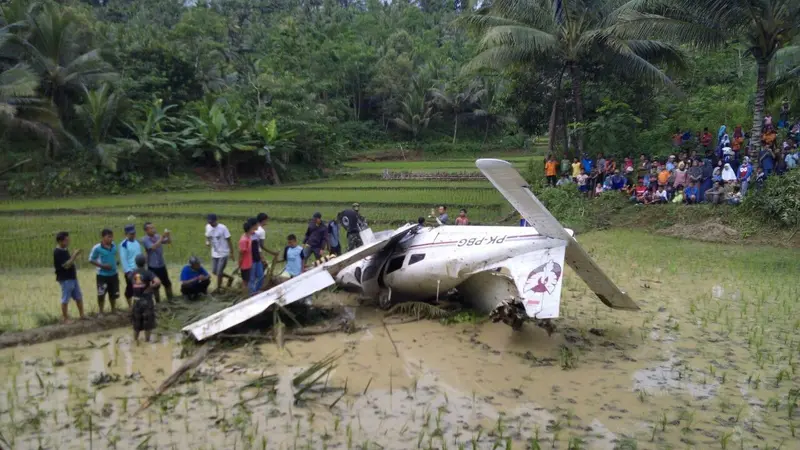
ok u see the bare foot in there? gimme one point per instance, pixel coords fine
(66, 321)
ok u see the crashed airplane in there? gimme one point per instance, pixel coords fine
(513, 273)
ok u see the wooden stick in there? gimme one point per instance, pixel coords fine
(385, 327)
(193, 362)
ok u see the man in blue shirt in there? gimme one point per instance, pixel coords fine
(293, 255)
(129, 249)
(691, 193)
(104, 257)
(194, 279)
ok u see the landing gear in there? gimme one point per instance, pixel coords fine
(512, 313)
(385, 299)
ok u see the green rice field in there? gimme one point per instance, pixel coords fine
(30, 226)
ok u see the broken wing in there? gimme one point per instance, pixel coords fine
(294, 289)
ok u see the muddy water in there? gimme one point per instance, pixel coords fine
(604, 380)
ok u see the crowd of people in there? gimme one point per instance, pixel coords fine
(703, 168)
(144, 266)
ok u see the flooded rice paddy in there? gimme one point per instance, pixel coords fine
(709, 362)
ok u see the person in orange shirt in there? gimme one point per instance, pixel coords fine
(663, 176)
(551, 171)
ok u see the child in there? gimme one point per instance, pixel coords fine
(67, 275)
(246, 255)
(678, 198)
(293, 255)
(691, 193)
(736, 196)
(583, 180)
(565, 179)
(576, 169)
(462, 218)
(143, 311)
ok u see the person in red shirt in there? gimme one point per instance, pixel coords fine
(246, 253)
(639, 191)
(706, 138)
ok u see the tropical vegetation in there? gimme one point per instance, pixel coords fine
(115, 96)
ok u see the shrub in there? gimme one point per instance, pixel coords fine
(778, 202)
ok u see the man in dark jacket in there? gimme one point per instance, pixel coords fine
(352, 222)
(316, 237)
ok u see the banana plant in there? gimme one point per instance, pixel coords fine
(271, 138)
(149, 133)
(217, 132)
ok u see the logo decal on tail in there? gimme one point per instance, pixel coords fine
(542, 280)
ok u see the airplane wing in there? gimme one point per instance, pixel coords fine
(516, 190)
(294, 289)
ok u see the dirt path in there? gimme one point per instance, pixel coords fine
(47, 333)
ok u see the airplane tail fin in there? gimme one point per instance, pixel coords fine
(538, 277)
(516, 190)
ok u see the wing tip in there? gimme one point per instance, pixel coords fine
(492, 163)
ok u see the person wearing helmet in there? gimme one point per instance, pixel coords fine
(143, 310)
(194, 279)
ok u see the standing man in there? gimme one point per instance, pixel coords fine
(67, 275)
(143, 284)
(352, 222)
(154, 246)
(443, 217)
(104, 257)
(316, 239)
(218, 237)
(129, 248)
(194, 279)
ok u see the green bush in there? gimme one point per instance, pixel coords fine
(778, 202)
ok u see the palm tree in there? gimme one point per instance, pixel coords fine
(415, 114)
(21, 109)
(786, 82)
(457, 102)
(570, 33)
(99, 114)
(52, 42)
(762, 26)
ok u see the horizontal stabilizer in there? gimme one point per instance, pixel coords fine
(516, 190)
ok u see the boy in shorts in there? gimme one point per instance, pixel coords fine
(67, 275)
(104, 257)
(219, 239)
(143, 312)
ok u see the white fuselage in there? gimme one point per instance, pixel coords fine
(435, 260)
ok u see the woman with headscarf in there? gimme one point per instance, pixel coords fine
(681, 176)
(728, 175)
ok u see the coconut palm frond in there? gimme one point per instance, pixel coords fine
(419, 310)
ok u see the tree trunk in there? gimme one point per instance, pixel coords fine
(486, 131)
(758, 108)
(275, 178)
(455, 129)
(577, 94)
(564, 128)
(551, 127)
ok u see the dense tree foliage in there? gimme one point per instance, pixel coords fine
(102, 94)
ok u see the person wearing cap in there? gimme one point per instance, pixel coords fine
(129, 248)
(194, 279)
(143, 312)
(316, 239)
(352, 222)
(218, 237)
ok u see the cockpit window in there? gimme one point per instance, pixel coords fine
(395, 264)
(358, 274)
(416, 258)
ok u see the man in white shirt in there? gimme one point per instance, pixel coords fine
(218, 237)
(261, 237)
